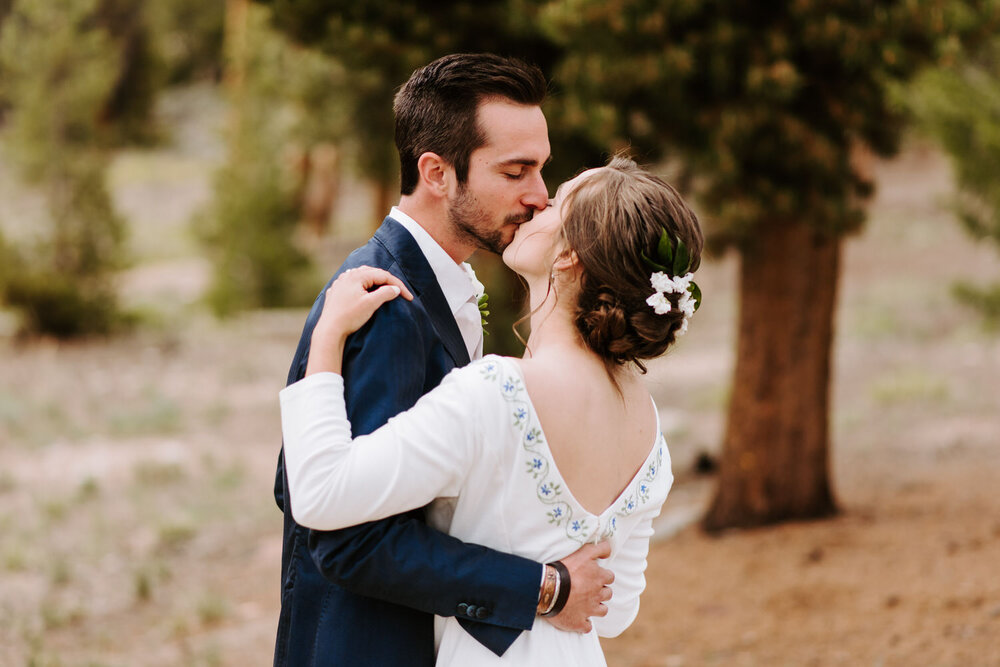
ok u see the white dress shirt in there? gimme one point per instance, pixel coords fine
(478, 438)
(457, 280)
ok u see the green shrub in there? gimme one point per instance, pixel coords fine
(959, 106)
(984, 299)
(248, 231)
(59, 66)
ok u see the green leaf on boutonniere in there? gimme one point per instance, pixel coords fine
(484, 310)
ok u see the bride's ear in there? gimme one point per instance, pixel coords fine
(436, 174)
(567, 267)
(567, 260)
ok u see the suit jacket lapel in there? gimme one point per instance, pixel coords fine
(422, 281)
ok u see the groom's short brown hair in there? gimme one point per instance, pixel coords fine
(436, 109)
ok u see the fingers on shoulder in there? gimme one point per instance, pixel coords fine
(371, 276)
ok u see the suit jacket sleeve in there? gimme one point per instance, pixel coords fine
(401, 559)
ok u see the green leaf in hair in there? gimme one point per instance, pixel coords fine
(665, 249)
(681, 259)
(696, 295)
(653, 265)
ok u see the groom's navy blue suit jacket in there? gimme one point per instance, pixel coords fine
(366, 595)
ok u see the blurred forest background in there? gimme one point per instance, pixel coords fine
(178, 179)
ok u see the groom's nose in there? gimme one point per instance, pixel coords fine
(537, 195)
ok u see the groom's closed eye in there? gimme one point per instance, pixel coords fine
(519, 167)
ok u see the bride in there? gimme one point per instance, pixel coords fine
(533, 456)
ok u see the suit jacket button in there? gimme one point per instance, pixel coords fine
(472, 610)
(482, 613)
(462, 608)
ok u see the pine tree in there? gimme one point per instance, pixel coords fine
(60, 66)
(249, 229)
(959, 105)
(773, 107)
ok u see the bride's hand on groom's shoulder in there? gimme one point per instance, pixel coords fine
(355, 296)
(349, 302)
(589, 589)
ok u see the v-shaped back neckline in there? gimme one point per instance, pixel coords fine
(654, 448)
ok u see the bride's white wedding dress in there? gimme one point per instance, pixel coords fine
(475, 447)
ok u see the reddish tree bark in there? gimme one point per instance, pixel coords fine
(384, 194)
(775, 460)
(320, 174)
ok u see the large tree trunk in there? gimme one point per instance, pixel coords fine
(775, 458)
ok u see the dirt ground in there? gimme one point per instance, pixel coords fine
(137, 527)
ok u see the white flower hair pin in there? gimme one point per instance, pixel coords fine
(672, 275)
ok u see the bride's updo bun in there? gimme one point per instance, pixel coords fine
(611, 219)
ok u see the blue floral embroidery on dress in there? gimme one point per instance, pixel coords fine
(536, 463)
(548, 491)
(640, 493)
(535, 467)
(488, 370)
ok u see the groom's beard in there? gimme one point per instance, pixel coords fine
(474, 224)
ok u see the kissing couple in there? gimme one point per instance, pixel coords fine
(442, 507)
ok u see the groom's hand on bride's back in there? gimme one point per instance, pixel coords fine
(589, 588)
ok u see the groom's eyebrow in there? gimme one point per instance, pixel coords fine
(526, 161)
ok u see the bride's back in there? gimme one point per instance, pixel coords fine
(598, 436)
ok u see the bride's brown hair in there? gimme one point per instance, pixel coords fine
(610, 220)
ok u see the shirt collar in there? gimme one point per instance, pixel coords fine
(457, 280)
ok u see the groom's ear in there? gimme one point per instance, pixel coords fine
(436, 174)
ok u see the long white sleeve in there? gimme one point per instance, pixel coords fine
(629, 562)
(629, 566)
(419, 455)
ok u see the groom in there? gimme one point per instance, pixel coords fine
(472, 141)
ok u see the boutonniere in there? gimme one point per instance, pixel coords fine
(484, 310)
(478, 291)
